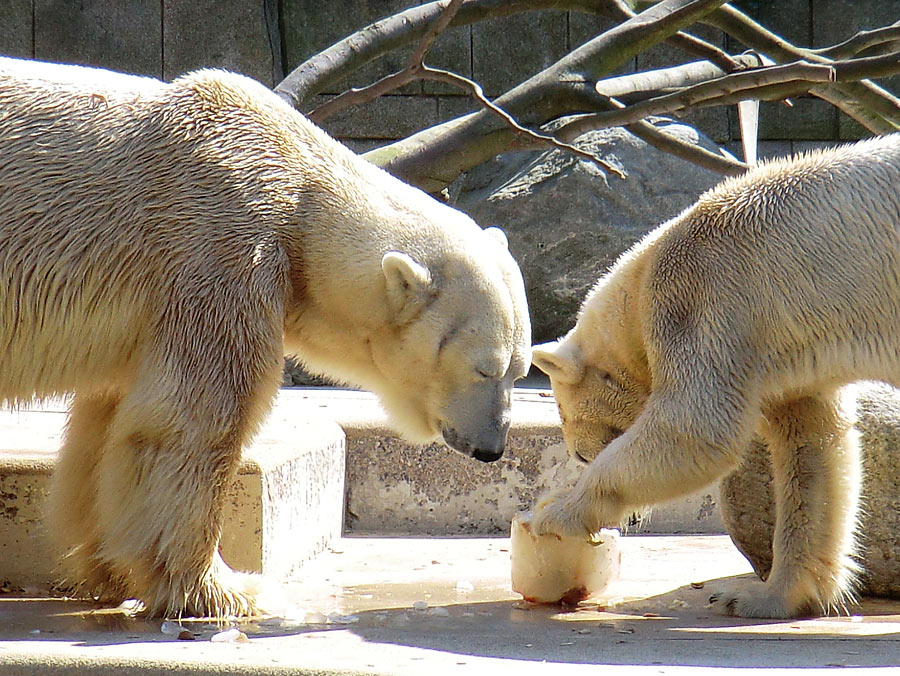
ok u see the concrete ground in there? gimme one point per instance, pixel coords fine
(444, 605)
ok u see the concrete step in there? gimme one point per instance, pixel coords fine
(297, 490)
(275, 516)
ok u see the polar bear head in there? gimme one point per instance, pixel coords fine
(597, 394)
(457, 339)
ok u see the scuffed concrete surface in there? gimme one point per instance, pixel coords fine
(413, 606)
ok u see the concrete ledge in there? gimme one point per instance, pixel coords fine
(290, 500)
(284, 507)
(394, 488)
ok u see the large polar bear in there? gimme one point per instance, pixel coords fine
(161, 245)
(749, 312)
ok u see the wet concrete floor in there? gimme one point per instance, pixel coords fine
(433, 606)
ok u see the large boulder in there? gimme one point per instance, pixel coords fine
(748, 508)
(567, 222)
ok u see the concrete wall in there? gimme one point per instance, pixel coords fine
(266, 38)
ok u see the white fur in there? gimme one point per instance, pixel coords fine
(748, 313)
(161, 246)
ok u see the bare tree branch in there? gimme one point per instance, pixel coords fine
(417, 69)
(649, 84)
(688, 43)
(335, 63)
(652, 135)
(478, 93)
(736, 85)
(870, 105)
(860, 42)
(564, 88)
(867, 67)
(413, 71)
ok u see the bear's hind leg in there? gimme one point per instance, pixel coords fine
(72, 505)
(817, 475)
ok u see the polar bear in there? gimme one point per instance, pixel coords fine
(161, 247)
(750, 312)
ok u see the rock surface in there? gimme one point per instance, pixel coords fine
(567, 222)
(749, 511)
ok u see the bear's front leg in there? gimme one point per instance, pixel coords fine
(159, 502)
(816, 472)
(672, 449)
(171, 450)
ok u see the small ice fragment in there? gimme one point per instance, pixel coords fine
(337, 618)
(439, 612)
(420, 605)
(856, 618)
(584, 631)
(131, 606)
(677, 603)
(464, 586)
(233, 635)
(35, 631)
(170, 628)
(315, 618)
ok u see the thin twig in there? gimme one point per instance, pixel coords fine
(440, 75)
(359, 95)
(862, 40)
(418, 57)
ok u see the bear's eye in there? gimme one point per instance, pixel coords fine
(607, 379)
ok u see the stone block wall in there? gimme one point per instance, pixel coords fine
(267, 38)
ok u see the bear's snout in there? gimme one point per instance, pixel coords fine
(487, 446)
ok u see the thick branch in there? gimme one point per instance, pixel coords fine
(740, 85)
(648, 84)
(867, 67)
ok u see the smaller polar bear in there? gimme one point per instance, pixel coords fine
(161, 246)
(748, 313)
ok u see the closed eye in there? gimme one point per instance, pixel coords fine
(447, 337)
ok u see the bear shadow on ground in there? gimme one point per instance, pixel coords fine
(673, 629)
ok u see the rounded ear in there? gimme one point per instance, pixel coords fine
(561, 360)
(408, 285)
(498, 235)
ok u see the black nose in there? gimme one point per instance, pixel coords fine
(487, 456)
(485, 450)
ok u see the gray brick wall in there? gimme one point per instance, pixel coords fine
(266, 38)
